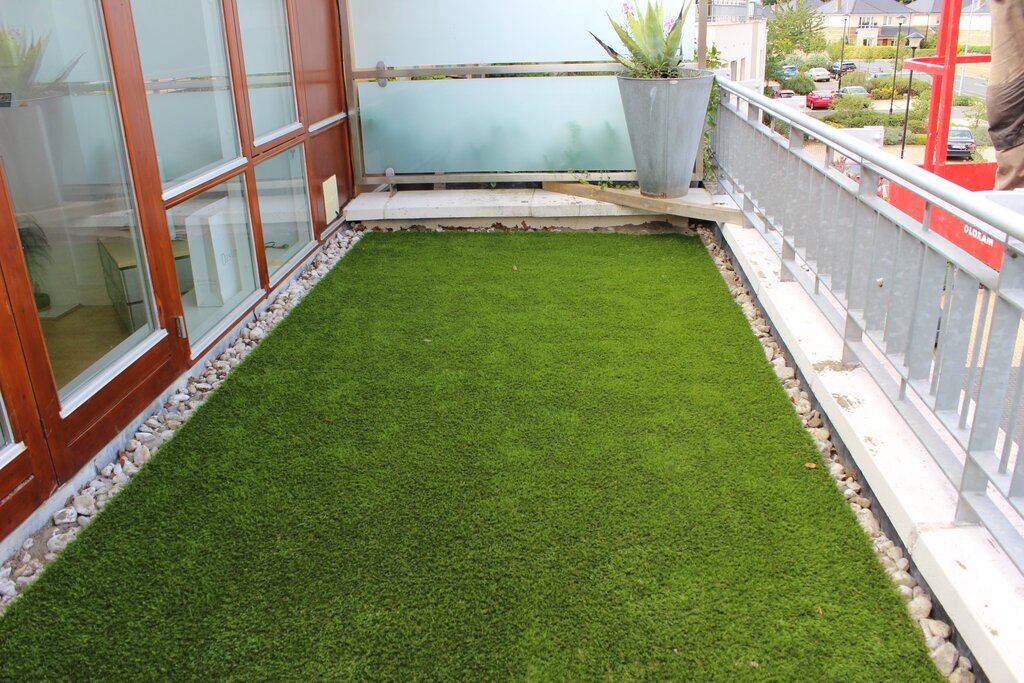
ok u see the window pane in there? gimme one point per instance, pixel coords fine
(63, 151)
(5, 426)
(268, 64)
(284, 206)
(215, 259)
(184, 60)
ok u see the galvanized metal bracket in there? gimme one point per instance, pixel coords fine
(390, 174)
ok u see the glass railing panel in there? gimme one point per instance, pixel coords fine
(445, 32)
(495, 125)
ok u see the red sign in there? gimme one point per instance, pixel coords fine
(975, 177)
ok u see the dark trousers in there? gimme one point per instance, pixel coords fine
(1005, 100)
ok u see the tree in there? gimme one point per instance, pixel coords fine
(796, 26)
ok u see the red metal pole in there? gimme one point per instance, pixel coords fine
(943, 86)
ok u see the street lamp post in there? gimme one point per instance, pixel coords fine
(842, 52)
(914, 40)
(896, 61)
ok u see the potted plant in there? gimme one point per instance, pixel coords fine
(36, 248)
(665, 103)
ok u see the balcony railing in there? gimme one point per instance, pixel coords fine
(734, 11)
(938, 329)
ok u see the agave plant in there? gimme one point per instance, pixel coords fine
(20, 60)
(653, 43)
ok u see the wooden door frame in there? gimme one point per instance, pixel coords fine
(74, 438)
(28, 479)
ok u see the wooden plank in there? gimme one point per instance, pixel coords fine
(699, 203)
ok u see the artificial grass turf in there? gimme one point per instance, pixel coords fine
(482, 457)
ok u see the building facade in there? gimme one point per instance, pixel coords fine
(166, 166)
(975, 20)
(739, 30)
(864, 22)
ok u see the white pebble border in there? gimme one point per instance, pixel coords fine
(947, 658)
(43, 546)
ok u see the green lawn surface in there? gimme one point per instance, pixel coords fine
(541, 457)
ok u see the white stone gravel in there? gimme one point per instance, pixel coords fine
(947, 658)
(43, 546)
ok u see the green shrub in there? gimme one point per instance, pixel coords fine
(881, 92)
(855, 78)
(796, 60)
(818, 61)
(981, 137)
(848, 115)
(962, 100)
(801, 85)
(851, 103)
(893, 135)
(881, 88)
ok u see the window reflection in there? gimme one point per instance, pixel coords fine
(284, 207)
(268, 65)
(212, 241)
(64, 156)
(188, 81)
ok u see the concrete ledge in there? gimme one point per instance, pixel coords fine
(976, 583)
(421, 205)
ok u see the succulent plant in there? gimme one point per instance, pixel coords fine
(653, 43)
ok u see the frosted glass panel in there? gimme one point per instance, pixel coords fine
(185, 62)
(268, 64)
(495, 124)
(443, 32)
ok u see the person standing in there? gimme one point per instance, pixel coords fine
(1005, 100)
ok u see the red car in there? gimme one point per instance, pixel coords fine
(820, 99)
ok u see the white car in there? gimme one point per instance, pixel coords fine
(819, 75)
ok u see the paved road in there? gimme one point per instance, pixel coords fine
(967, 85)
(971, 86)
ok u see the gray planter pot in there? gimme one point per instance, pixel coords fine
(665, 117)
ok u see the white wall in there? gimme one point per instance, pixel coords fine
(743, 46)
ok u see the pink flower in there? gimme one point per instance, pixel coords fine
(628, 8)
(669, 25)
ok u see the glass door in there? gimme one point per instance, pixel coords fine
(63, 151)
(26, 471)
(79, 278)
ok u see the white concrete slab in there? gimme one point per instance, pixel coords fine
(368, 206)
(447, 204)
(964, 572)
(410, 205)
(974, 580)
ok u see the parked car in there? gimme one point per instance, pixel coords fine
(787, 72)
(784, 94)
(853, 90)
(819, 75)
(961, 144)
(838, 68)
(820, 99)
